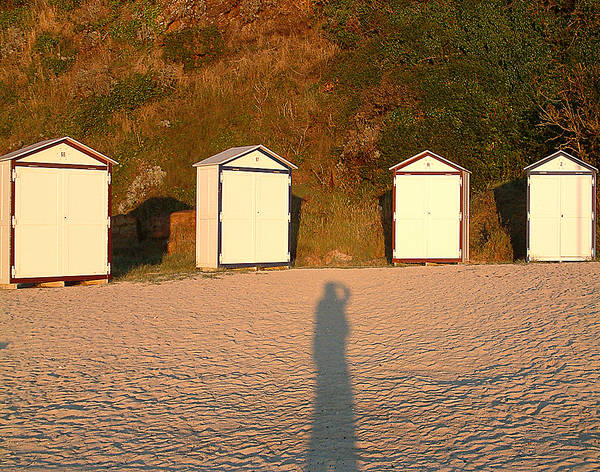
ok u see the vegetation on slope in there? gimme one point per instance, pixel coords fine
(343, 88)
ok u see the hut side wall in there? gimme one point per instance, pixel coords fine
(466, 215)
(5, 220)
(207, 214)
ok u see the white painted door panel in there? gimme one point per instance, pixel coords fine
(61, 225)
(544, 217)
(38, 213)
(444, 217)
(85, 222)
(272, 212)
(427, 217)
(411, 222)
(576, 220)
(254, 217)
(238, 218)
(560, 225)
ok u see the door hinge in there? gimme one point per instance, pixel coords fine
(288, 257)
(109, 179)
(460, 214)
(289, 217)
(289, 180)
(108, 222)
(14, 221)
(14, 175)
(13, 272)
(221, 177)
(459, 252)
(394, 216)
(221, 217)
(108, 268)
(220, 258)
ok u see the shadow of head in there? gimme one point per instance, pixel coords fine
(336, 293)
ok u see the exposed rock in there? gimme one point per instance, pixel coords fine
(336, 256)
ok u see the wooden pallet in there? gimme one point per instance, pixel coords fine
(57, 284)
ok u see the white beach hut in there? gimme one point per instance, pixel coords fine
(243, 201)
(430, 210)
(54, 213)
(561, 209)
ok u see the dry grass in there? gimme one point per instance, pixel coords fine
(337, 231)
(489, 241)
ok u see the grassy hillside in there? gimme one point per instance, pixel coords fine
(343, 88)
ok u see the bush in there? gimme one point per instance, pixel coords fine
(57, 55)
(46, 43)
(65, 5)
(128, 95)
(194, 47)
(14, 17)
(142, 27)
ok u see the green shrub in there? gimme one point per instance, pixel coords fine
(473, 72)
(65, 5)
(57, 55)
(8, 94)
(128, 95)
(46, 43)
(142, 27)
(13, 17)
(194, 47)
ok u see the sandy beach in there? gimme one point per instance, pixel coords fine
(419, 368)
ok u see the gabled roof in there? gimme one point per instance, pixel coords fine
(33, 148)
(235, 152)
(563, 154)
(426, 153)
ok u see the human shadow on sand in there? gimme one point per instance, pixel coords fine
(333, 437)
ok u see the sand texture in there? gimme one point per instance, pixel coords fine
(420, 368)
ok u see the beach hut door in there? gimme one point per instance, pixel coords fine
(254, 217)
(61, 222)
(37, 221)
(272, 213)
(560, 217)
(428, 216)
(85, 222)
